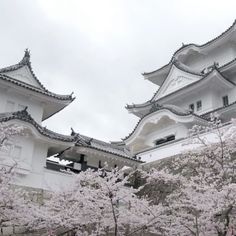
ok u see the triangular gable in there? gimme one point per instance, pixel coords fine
(23, 74)
(175, 80)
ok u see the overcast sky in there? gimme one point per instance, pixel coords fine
(98, 50)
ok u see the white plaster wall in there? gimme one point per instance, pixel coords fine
(205, 96)
(39, 157)
(177, 147)
(210, 100)
(38, 176)
(30, 164)
(24, 160)
(179, 130)
(2, 100)
(34, 108)
(162, 151)
(54, 180)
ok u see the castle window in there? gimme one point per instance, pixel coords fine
(164, 140)
(100, 164)
(225, 100)
(191, 107)
(160, 141)
(170, 138)
(199, 105)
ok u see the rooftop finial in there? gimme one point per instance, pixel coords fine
(26, 58)
(27, 52)
(73, 133)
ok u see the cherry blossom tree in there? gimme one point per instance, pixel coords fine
(99, 203)
(196, 191)
(192, 194)
(7, 132)
(15, 207)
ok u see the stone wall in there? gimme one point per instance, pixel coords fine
(35, 195)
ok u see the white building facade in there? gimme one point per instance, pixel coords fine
(26, 102)
(198, 80)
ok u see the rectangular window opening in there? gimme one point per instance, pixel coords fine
(199, 105)
(165, 140)
(225, 100)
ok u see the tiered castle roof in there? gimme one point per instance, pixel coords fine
(21, 76)
(11, 76)
(181, 61)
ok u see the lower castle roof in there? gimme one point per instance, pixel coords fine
(88, 142)
(77, 139)
(172, 108)
(23, 115)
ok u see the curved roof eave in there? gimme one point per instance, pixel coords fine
(26, 62)
(191, 46)
(202, 46)
(24, 116)
(52, 114)
(228, 65)
(112, 153)
(152, 101)
(176, 64)
(160, 70)
(219, 110)
(111, 148)
(197, 82)
(141, 105)
(167, 109)
(35, 89)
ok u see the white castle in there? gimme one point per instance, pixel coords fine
(26, 102)
(198, 80)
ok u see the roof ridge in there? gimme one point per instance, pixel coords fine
(214, 68)
(184, 46)
(158, 108)
(88, 142)
(23, 115)
(208, 42)
(175, 63)
(31, 87)
(25, 61)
